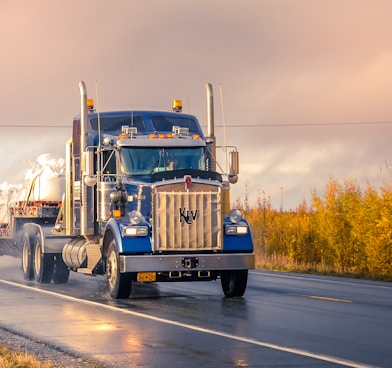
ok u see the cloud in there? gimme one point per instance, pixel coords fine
(271, 63)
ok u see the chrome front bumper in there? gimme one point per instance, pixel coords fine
(188, 262)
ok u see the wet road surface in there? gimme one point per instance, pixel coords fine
(283, 320)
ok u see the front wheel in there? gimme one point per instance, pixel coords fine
(234, 283)
(120, 284)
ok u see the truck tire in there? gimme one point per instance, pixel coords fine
(60, 271)
(120, 284)
(43, 263)
(234, 283)
(27, 257)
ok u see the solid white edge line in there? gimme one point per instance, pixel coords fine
(326, 358)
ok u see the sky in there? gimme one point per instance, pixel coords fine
(303, 87)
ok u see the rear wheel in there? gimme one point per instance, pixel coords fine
(27, 258)
(42, 262)
(234, 283)
(120, 284)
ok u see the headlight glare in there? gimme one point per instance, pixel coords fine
(242, 230)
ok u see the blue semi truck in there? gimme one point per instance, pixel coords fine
(143, 202)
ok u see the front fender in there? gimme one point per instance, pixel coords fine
(238, 243)
(127, 244)
(113, 226)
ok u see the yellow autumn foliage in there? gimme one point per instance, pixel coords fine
(346, 229)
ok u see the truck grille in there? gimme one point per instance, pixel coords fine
(187, 220)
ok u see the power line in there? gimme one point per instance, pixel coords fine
(239, 125)
(34, 126)
(278, 125)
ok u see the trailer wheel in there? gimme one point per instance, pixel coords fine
(234, 283)
(27, 258)
(60, 271)
(120, 284)
(43, 263)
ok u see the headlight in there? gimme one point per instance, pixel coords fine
(135, 217)
(235, 216)
(135, 231)
(236, 230)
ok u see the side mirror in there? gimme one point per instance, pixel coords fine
(234, 166)
(234, 162)
(90, 179)
(88, 163)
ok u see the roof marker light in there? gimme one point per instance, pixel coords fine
(177, 105)
(90, 105)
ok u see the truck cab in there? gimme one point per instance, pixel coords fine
(144, 203)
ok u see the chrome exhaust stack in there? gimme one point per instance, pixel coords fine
(86, 192)
(210, 124)
(83, 117)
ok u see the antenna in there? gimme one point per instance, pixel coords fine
(224, 124)
(99, 157)
(98, 112)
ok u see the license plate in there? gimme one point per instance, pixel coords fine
(146, 277)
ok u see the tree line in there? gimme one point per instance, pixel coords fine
(346, 229)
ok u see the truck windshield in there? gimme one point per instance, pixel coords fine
(147, 161)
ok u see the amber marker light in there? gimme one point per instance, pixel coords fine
(90, 104)
(177, 105)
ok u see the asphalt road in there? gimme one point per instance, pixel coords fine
(284, 320)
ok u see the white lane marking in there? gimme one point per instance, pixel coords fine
(322, 357)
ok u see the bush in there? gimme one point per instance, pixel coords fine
(346, 229)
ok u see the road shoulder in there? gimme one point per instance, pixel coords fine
(46, 353)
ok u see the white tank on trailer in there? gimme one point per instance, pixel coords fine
(48, 188)
(47, 179)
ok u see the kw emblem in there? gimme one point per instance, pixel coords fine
(188, 216)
